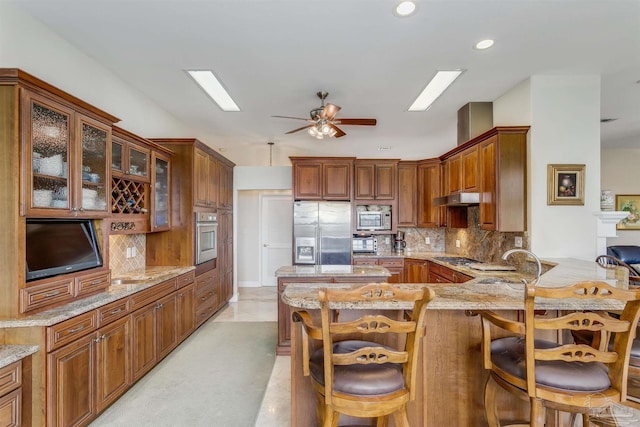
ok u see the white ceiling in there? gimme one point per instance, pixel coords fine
(274, 55)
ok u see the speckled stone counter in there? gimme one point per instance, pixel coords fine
(331, 270)
(146, 279)
(488, 290)
(13, 353)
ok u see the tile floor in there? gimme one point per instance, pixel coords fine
(253, 305)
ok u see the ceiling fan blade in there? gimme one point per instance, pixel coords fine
(339, 132)
(295, 118)
(329, 112)
(299, 129)
(361, 122)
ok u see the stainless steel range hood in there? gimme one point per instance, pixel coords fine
(458, 199)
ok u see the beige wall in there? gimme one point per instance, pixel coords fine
(618, 175)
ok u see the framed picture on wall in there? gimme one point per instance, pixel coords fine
(565, 184)
(631, 205)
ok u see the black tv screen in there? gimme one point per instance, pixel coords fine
(60, 246)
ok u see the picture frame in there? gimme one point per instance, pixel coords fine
(565, 184)
(628, 203)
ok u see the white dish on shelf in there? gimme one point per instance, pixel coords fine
(42, 198)
(89, 194)
(51, 165)
(59, 204)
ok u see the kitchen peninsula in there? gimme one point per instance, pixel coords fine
(309, 274)
(452, 386)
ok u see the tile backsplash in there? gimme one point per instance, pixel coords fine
(118, 261)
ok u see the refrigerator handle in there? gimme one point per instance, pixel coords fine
(319, 245)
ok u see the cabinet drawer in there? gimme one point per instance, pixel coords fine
(204, 311)
(92, 283)
(447, 273)
(365, 261)
(113, 311)
(40, 296)
(10, 377)
(11, 409)
(70, 330)
(391, 262)
(185, 279)
(206, 298)
(151, 294)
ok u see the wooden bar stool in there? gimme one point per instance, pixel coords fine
(360, 378)
(574, 378)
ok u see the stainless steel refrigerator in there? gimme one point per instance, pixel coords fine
(322, 233)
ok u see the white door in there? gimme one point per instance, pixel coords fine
(276, 226)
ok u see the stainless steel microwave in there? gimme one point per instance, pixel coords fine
(373, 220)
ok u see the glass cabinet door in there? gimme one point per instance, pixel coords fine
(117, 155)
(138, 162)
(161, 209)
(94, 138)
(48, 152)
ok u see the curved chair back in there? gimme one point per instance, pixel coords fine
(609, 261)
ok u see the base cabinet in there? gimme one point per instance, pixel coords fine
(415, 270)
(113, 356)
(11, 395)
(143, 340)
(186, 316)
(71, 383)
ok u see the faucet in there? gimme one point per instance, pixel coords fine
(512, 251)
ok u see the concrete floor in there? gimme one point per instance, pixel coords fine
(253, 305)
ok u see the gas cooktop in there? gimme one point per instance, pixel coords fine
(457, 260)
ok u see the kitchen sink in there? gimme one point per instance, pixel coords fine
(456, 260)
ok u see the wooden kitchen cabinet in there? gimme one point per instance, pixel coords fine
(375, 179)
(415, 270)
(503, 172)
(66, 160)
(206, 179)
(186, 316)
(207, 295)
(71, 383)
(144, 340)
(225, 170)
(407, 212)
(322, 178)
(166, 312)
(11, 395)
(462, 171)
(225, 255)
(128, 158)
(113, 362)
(160, 214)
(395, 265)
(440, 274)
(428, 189)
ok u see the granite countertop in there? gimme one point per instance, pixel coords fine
(488, 290)
(331, 270)
(145, 279)
(13, 353)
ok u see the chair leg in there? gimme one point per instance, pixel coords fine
(585, 419)
(490, 409)
(400, 418)
(330, 417)
(537, 413)
(383, 421)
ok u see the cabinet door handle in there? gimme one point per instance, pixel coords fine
(180, 295)
(116, 311)
(51, 294)
(95, 282)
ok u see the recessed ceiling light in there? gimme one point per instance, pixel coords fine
(405, 8)
(212, 86)
(484, 44)
(438, 84)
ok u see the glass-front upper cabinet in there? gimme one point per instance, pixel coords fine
(130, 160)
(67, 156)
(161, 190)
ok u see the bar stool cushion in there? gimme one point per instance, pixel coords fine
(508, 354)
(358, 380)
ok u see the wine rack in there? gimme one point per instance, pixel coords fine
(129, 197)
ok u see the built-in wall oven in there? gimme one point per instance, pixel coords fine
(206, 236)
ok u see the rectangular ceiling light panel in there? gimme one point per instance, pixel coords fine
(438, 84)
(208, 81)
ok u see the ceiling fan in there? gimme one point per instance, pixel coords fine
(323, 122)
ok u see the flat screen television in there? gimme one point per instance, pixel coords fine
(60, 246)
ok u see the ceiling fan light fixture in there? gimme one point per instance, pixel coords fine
(438, 84)
(405, 8)
(212, 86)
(312, 131)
